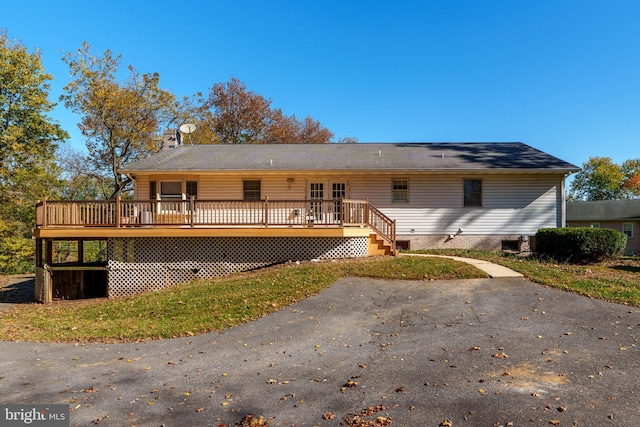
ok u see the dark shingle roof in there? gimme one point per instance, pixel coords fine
(603, 210)
(351, 157)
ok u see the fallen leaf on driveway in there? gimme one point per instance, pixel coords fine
(328, 416)
(357, 420)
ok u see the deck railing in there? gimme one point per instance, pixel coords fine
(213, 213)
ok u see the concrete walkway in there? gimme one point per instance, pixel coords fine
(493, 270)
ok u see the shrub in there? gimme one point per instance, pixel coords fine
(580, 245)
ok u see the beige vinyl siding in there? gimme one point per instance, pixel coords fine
(141, 188)
(512, 204)
(229, 186)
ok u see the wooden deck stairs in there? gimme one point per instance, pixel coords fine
(379, 246)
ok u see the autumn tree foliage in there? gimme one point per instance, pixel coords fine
(631, 171)
(233, 115)
(603, 179)
(28, 141)
(121, 119)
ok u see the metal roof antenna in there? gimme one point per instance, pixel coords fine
(188, 129)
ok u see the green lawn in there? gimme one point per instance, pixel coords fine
(209, 305)
(615, 280)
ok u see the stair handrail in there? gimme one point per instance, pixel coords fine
(384, 226)
(370, 216)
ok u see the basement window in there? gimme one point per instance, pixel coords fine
(510, 245)
(404, 245)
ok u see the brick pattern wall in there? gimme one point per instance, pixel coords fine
(466, 241)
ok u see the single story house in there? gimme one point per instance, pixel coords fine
(621, 215)
(207, 210)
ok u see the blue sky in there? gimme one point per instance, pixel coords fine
(560, 75)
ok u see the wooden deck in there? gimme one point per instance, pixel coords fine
(171, 218)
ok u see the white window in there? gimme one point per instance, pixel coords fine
(316, 194)
(338, 192)
(594, 225)
(627, 228)
(400, 190)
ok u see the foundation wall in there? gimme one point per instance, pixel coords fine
(461, 241)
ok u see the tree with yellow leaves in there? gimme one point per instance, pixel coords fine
(121, 121)
(28, 141)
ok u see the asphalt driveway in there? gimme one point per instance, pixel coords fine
(482, 352)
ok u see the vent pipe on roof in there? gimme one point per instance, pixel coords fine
(379, 153)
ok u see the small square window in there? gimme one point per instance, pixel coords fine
(472, 192)
(627, 228)
(400, 190)
(251, 190)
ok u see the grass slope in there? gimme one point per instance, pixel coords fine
(207, 305)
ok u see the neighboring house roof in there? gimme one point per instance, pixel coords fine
(603, 210)
(465, 156)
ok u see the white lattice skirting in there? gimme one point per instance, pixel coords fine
(145, 264)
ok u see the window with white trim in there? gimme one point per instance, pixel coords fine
(594, 225)
(400, 190)
(627, 228)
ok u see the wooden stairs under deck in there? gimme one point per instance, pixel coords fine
(378, 246)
